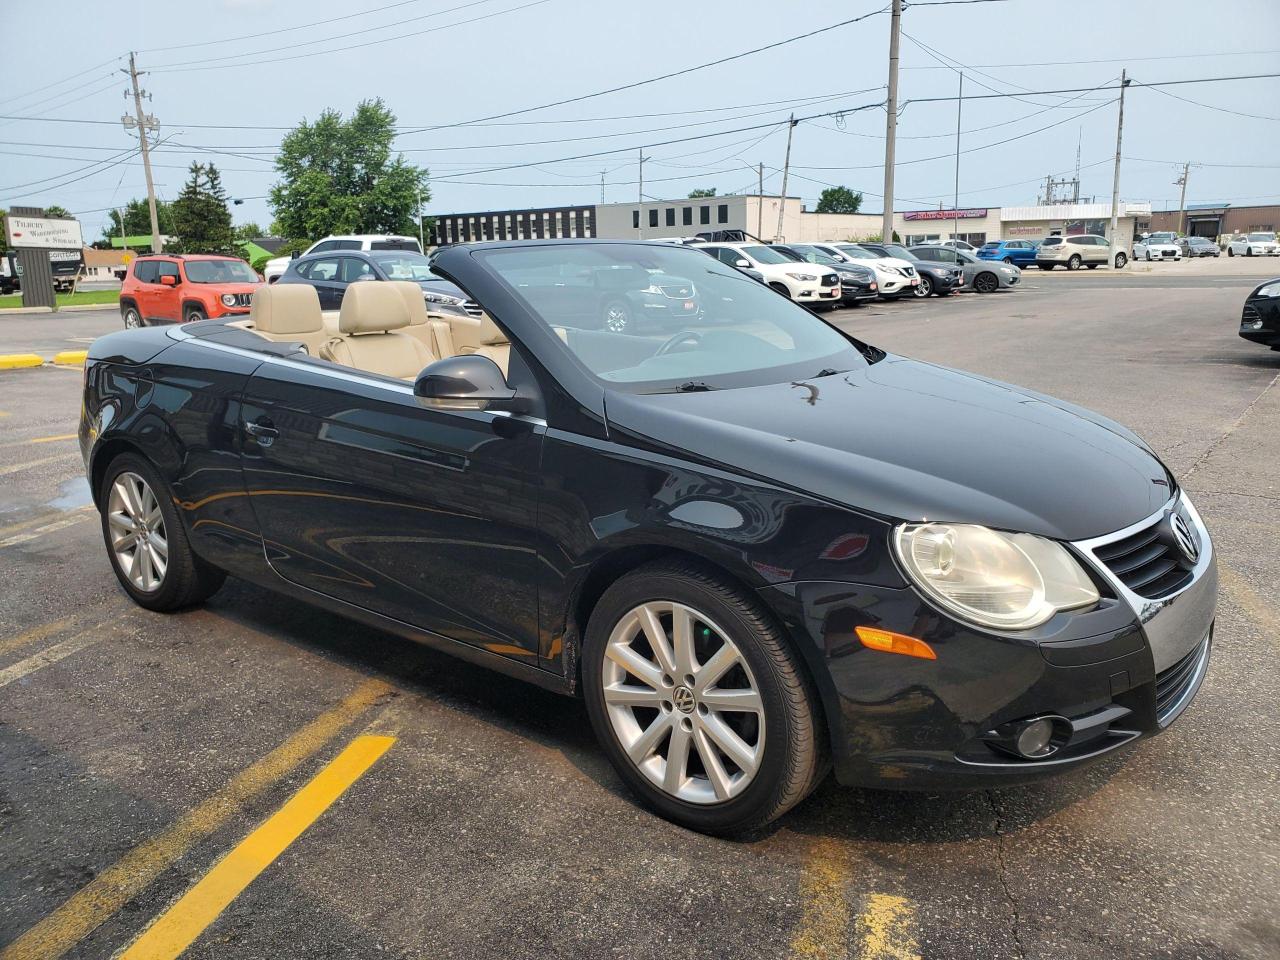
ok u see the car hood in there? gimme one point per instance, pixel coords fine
(218, 289)
(909, 440)
(890, 263)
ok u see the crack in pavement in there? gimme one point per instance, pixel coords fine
(1015, 926)
(1204, 457)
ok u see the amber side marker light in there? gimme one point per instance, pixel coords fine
(890, 642)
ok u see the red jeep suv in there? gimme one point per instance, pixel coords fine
(177, 288)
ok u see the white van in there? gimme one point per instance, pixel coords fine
(354, 241)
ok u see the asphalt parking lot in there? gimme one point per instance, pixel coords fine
(145, 760)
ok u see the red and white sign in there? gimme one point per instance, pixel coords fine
(976, 214)
(41, 232)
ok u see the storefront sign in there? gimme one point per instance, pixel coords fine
(43, 232)
(944, 214)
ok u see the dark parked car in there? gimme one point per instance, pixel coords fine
(1199, 247)
(937, 279)
(857, 284)
(758, 548)
(333, 271)
(1260, 319)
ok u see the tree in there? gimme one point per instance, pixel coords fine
(839, 200)
(248, 231)
(702, 192)
(340, 176)
(58, 213)
(200, 215)
(137, 221)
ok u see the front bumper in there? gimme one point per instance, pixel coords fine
(1260, 321)
(1113, 675)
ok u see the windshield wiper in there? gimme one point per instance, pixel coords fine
(827, 372)
(693, 386)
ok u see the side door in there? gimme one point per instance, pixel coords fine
(1101, 252)
(426, 516)
(145, 273)
(166, 303)
(351, 270)
(323, 275)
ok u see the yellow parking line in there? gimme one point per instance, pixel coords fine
(175, 929)
(9, 644)
(37, 661)
(50, 527)
(886, 929)
(117, 884)
(32, 464)
(54, 439)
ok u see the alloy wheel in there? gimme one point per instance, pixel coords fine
(616, 318)
(131, 319)
(925, 288)
(138, 538)
(683, 703)
(986, 283)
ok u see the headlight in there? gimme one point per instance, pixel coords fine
(803, 277)
(445, 298)
(228, 299)
(1270, 290)
(1010, 581)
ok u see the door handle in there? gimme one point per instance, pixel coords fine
(261, 430)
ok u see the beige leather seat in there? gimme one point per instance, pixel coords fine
(371, 323)
(286, 312)
(419, 327)
(478, 335)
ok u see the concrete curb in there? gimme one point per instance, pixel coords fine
(71, 358)
(70, 308)
(19, 361)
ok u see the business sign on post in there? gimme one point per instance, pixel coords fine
(976, 214)
(42, 232)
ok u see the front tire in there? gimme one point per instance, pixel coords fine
(924, 288)
(1230, 252)
(617, 317)
(1248, 251)
(192, 314)
(986, 283)
(781, 288)
(1074, 262)
(699, 700)
(146, 541)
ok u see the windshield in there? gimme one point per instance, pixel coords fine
(855, 252)
(766, 255)
(404, 265)
(220, 271)
(899, 251)
(1262, 237)
(706, 325)
(814, 255)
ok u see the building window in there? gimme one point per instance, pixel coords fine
(557, 229)
(722, 213)
(635, 219)
(688, 216)
(671, 216)
(653, 218)
(704, 214)
(588, 229)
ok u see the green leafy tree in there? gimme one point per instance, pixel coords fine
(200, 215)
(341, 176)
(58, 213)
(137, 220)
(249, 231)
(839, 200)
(702, 192)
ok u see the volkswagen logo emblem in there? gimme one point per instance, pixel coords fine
(1184, 538)
(684, 699)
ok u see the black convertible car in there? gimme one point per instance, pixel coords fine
(757, 547)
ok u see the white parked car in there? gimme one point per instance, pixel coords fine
(896, 278)
(1258, 244)
(1157, 246)
(356, 241)
(806, 283)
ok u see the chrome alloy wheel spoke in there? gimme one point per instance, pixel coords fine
(683, 702)
(136, 527)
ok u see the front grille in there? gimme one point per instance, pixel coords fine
(1173, 683)
(243, 299)
(472, 308)
(1250, 314)
(907, 271)
(830, 279)
(1146, 562)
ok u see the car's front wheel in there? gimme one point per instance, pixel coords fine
(1248, 251)
(924, 288)
(699, 700)
(1230, 252)
(193, 313)
(146, 542)
(1074, 262)
(986, 283)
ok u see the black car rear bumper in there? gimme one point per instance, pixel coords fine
(1260, 321)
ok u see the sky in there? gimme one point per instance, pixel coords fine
(227, 78)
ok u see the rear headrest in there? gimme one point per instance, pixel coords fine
(286, 308)
(412, 294)
(490, 333)
(372, 306)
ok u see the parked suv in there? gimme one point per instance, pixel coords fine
(332, 273)
(1076, 251)
(810, 284)
(356, 241)
(175, 288)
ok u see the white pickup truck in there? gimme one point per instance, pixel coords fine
(356, 241)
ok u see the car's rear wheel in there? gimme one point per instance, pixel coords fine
(986, 283)
(131, 317)
(1074, 262)
(617, 317)
(1248, 251)
(1009, 260)
(146, 542)
(699, 700)
(924, 288)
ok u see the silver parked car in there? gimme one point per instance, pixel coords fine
(980, 276)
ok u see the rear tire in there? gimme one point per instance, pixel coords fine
(131, 317)
(780, 727)
(1121, 260)
(1009, 261)
(617, 317)
(146, 541)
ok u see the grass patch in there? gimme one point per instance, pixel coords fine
(69, 299)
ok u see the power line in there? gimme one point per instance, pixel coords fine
(665, 76)
(1238, 113)
(58, 83)
(68, 183)
(1073, 63)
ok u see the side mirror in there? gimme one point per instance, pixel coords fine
(467, 382)
(742, 262)
(168, 281)
(295, 255)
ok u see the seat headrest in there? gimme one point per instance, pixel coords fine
(490, 333)
(285, 309)
(372, 306)
(412, 294)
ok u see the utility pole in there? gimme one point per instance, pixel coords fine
(786, 166)
(760, 201)
(1115, 182)
(891, 121)
(955, 227)
(1182, 200)
(144, 122)
(602, 173)
(640, 194)
(422, 247)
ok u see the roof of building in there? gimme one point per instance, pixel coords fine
(104, 258)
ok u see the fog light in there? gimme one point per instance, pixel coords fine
(1035, 739)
